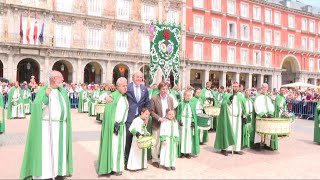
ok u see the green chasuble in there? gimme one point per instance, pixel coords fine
(82, 100)
(280, 105)
(105, 158)
(2, 118)
(316, 133)
(153, 92)
(224, 135)
(195, 138)
(205, 134)
(10, 96)
(32, 161)
(204, 93)
(26, 98)
(247, 127)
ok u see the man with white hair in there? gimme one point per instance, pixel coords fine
(138, 98)
(264, 108)
(113, 132)
(26, 98)
(15, 103)
(48, 150)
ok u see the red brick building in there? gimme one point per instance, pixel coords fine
(252, 41)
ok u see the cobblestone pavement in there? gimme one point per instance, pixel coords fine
(298, 157)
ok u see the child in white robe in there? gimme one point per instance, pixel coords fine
(138, 157)
(169, 137)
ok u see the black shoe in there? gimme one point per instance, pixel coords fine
(182, 155)
(238, 152)
(167, 168)
(156, 164)
(118, 173)
(188, 156)
(60, 178)
(173, 168)
(224, 152)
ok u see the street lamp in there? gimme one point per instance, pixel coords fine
(62, 67)
(92, 69)
(28, 66)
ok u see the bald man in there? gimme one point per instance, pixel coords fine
(50, 113)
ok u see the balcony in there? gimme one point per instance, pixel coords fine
(134, 48)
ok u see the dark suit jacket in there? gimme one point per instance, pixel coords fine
(156, 109)
(133, 104)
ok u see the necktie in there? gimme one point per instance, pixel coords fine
(138, 93)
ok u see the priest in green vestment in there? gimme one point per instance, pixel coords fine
(264, 108)
(218, 97)
(51, 103)
(203, 134)
(2, 117)
(26, 98)
(103, 93)
(113, 132)
(281, 103)
(15, 103)
(316, 132)
(94, 100)
(247, 128)
(229, 125)
(187, 118)
(83, 103)
(207, 94)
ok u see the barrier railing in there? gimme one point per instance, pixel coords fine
(302, 109)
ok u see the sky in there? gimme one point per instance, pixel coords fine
(311, 2)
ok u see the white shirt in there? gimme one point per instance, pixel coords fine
(164, 103)
(137, 92)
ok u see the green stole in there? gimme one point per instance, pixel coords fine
(105, 158)
(120, 135)
(32, 161)
(195, 138)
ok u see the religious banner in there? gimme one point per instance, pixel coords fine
(165, 51)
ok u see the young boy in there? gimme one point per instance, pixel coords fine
(138, 157)
(169, 137)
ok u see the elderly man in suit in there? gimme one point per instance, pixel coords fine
(159, 104)
(138, 98)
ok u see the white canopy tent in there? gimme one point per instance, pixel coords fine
(300, 84)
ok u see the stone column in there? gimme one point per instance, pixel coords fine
(186, 77)
(314, 81)
(260, 80)
(248, 80)
(205, 78)
(277, 80)
(222, 79)
(11, 69)
(103, 71)
(270, 82)
(45, 70)
(236, 77)
(80, 71)
(5, 63)
(108, 73)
